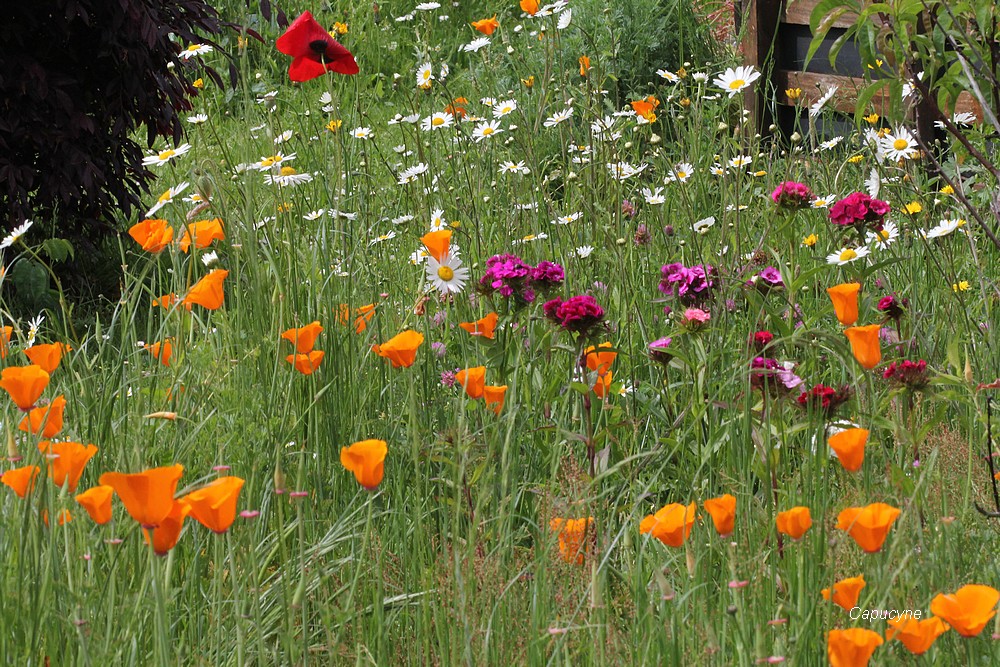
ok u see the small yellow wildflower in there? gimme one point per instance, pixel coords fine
(682, 72)
(793, 93)
(947, 190)
(685, 102)
(760, 173)
(334, 125)
(960, 286)
(810, 240)
(199, 83)
(284, 207)
(854, 159)
(338, 29)
(872, 118)
(913, 208)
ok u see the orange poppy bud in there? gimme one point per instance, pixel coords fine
(723, 513)
(584, 65)
(845, 592)
(845, 302)
(572, 535)
(68, 459)
(162, 350)
(63, 517)
(486, 26)
(968, 609)
(48, 356)
(148, 496)
(5, 334)
(166, 534)
(303, 338)
(794, 522)
(865, 344)
(21, 480)
(603, 385)
(401, 349)
(365, 314)
(214, 506)
(671, 524)
(473, 380)
(97, 502)
(851, 648)
(495, 397)
(437, 243)
(204, 231)
(366, 459)
(152, 235)
(165, 301)
(207, 292)
(48, 419)
(24, 384)
(529, 6)
(485, 326)
(849, 446)
(600, 361)
(868, 526)
(306, 363)
(917, 636)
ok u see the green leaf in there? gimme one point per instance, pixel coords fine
(58, 249)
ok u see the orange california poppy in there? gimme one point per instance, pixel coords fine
(48, 418)
(366, 459)
(148, 495)
(794, 522)
(851, 648)
(437, 243)
(47, 356)
(494, 396)
(917, 636)
(968, 609)
(455, 110)
(204, 231)
(5, 334)
(165, 301)
(572, 533)
(303, 338)
(869, 526)
(646, 107)
(600, 361)
(723, 513)
(68, 459)
(401, 349)
(214, 506)
(603, 385)
(21, 480)
(63, 515)
(166, 534)
(486, 26)
(24, 384)
(207, 292)
(161, 350)
(485, 326)
(152, 235)
(865, 344)
(671, 524)
(849, 445)
(584, 65)
(845, 302)
(529, 6)
(472, 380)
(97, 502)
(306, 363)
(845, 592)
(365, 314)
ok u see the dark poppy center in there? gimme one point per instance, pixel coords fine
(318, 46)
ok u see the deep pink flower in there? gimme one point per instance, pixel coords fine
(859, 209)
(577, 314)
(792, 196)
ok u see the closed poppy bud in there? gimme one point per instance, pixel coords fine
(303, 338)
(485, 327)
(794, 522)
(917, 636)
(849, 445)
(968, 609)
(208, 291)
(584, 65)
(148, 496)
(603, 385)
(671, 524)
(486, 26)
(572, 535)
(366, 459)
(437, 243)
(68, 459)
(852, 648)
(24, 384)
(306, 363)
(473, 380)
(845, 302)
(495, 397)
(401, 349)
(845, 592)
(214, 506)
(314, 52)
(599, 361)
(723, 513)
(204, 232)
(20, 480)
(5, 334)
(162, 350)
(865, 344)
(48, 356)
(868, 526)
(48, 419)
(97, 502)
(529, 6)
(152, 235)
(166, 534)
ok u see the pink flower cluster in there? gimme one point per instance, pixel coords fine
(906, 373)
(792, 196)
(690, 284)
(859, 209)
(577, 314)
(511, 277)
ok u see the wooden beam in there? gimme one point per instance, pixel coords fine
(797, 12)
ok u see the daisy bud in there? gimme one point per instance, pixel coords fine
(722, 127)
(628, 144)
(772, 127)
(654, 139)
(795, 138)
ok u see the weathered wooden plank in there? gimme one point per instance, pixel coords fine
(797, 12)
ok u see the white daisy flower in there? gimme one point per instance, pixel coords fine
(15, 235)
(831, 143)
(425, 75)
(384, 237)
(823, 202)
(668, 75)
(740, 161)
(314, 215)
(165, 156)
(899, 145)
(437, 121)
(509, 167)
(195, 50)
(621, 171)
(166, 198)
(653, 197)
(361, 132)
(884, 238)
(437, 220)
(34, 324)
(448, 275)
(427, 6)
(283, 137)
(680, 173)
(558, 117)
(962, 118)
(873, 183)
(486, 130)
(287, 177)
(818, 105)
(272, 161)
(476, 44)
(198, 119)
(703, 225)
(943, 228)
(501, 109)
(733, 81)
(584, 251)
(208, 258)
(410, 174)
(418, 257)
(846, 255)
(566, 219)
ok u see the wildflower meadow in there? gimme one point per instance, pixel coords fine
(495, 334)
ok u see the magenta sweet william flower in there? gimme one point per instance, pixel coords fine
(659, 350)
(859, 209)
(893, 308)
(690, 284)
(906, 373)
(695, 317)
(792, 196)
(547, 276)
(577, 314)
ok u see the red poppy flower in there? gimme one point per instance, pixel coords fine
(313, 50)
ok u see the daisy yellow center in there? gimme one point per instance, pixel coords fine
(167, 154)
(883, 235)
(437, 121)
(288, 171)
(847, 255)
(487, 130)
(445, 273)
(166, 196)
(425, 75)
(736, 84)
(505, 110)
(900, 144)
(682, 174)
(193, 47)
